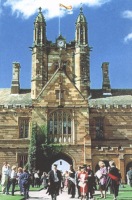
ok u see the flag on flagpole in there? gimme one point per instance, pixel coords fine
(66, 7)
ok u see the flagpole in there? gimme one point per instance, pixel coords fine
(69, 7)
(59, 21)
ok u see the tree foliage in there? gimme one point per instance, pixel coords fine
(40, 147)
(32, 149)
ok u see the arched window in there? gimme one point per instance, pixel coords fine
(60, 126)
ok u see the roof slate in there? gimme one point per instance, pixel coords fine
(24, 98)
(6, 98)
(112, 100)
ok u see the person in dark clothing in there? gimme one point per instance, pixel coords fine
(25, 179)
(114, 179)
(54, 181)
(71, 182)
(91, 182)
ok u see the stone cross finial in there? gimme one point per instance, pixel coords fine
(40, 9)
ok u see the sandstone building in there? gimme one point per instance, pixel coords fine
(93, 124)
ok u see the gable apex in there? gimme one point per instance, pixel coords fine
(60, 85)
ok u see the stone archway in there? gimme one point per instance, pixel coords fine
(62, 156)
(46, 163)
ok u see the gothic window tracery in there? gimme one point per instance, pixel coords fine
(59, 124)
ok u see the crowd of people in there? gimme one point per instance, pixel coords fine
(86, 181)
(82, 181)
(11, 176)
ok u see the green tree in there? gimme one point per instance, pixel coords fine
(32, 149)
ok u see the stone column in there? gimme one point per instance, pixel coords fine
(122, 168)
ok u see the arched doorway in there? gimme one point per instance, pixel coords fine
(62, 165)
(62, 160)
(46, 163)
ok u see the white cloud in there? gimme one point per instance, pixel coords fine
(127, 14)
(27, 8)
(128, 38)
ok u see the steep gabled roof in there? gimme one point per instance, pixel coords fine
(53, 78)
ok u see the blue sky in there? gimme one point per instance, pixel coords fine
(109, 33)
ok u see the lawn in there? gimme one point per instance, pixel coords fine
(125, 193)
(17, 196)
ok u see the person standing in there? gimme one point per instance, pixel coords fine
(83, 182)
(66, 178)
(9, 179)
(20, 171)
(37, 179)
(77, 181)
(72, 182)
(5, 177)
(44, 180)
(129, 175)
(13, 179)
(102, 177)
(54, 181)
(115, 178)
(91, 182)
(25, 179)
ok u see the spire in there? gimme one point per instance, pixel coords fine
(82, 55)
(81, 37)
(40, 29)
(40, 17)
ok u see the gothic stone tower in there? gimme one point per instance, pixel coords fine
(60, 88)
(91, 124)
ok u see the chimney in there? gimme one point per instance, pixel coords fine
(106, 81)
(15, 86)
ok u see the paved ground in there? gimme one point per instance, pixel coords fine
(41, 195)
